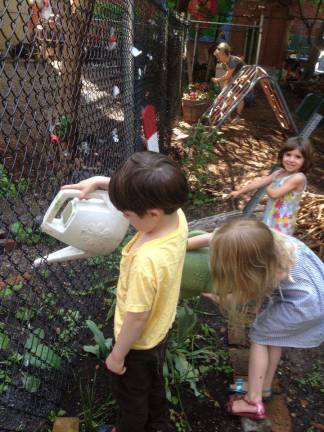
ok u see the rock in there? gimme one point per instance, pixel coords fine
(239, 359)
(7, 244)
(249, 425)
(66, 424)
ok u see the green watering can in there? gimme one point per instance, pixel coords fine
(196, 277)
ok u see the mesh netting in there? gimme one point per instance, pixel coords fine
(73, 88)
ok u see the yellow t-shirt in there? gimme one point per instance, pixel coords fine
(149, 280)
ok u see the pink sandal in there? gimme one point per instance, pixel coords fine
(258, 415)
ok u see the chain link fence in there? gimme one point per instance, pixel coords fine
(75, 77)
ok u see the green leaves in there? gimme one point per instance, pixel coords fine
(11, 289)
(30, 383)
(5, 381)
(24, 235)
(103, 346)
(200, 153)
(4, 340)
(39, 354)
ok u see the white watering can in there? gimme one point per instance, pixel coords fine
(91, 227)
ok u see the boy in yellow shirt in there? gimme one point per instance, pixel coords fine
(149, 189)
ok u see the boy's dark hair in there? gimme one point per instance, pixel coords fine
(305, 148)
(148, 180)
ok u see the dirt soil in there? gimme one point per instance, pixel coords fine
(250, 150)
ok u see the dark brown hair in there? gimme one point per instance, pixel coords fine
(148, 180)
(305, 148)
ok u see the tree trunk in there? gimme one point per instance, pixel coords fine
(76, 18)
(317, 46)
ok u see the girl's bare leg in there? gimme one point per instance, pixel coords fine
(274, 359)
(258, 366)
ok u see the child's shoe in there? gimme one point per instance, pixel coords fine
(106, 428)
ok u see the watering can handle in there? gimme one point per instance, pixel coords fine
(64, 195)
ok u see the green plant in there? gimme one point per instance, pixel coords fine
(38, 354)
(53, 414)
(314, 378)
(9, 188)
(45, 274)
(93, 414)
(103, 345)
(11, 289)
(71, 318)
(24, 313)
(4, 340)
(199, 148)
(25, 235)
(96, 261)
(188, 355)
(30, 382)
(62, 128)
(5, 381)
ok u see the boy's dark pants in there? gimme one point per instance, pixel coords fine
(140, 392)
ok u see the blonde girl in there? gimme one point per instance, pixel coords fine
(250, 262)
(285, 186)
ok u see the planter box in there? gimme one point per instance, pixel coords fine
(194, 109)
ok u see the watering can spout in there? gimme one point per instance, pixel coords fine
(66, 254)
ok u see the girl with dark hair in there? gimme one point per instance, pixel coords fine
(285, 186)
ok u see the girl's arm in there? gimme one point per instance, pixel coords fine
(254, 184)
(295, 183)
(89, 185)
(199, 241)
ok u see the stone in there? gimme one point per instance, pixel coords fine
(249, 425)
(239, 358)
(7, 244)
(237, 335)
(66, 424)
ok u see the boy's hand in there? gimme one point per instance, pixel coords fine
(115, 365)
(85, 186)
(89, 185)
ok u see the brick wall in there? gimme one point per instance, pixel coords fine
(278, 24)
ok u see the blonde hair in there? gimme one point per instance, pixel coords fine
(246, 259)
(224, 48)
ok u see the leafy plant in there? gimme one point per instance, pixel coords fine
(93, 414)
(30, 382)
(38, 354)
(188, 355)
(10, 188)
(25, 235)
(103, 345)
(199, 148)
(5, 381)
(315, 378)
(4, 340)
(11, 289)
(62, 127)
(71, 318)
(24, 313)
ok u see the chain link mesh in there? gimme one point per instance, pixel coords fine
(72, 95)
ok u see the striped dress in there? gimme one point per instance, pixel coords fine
(294, 315)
